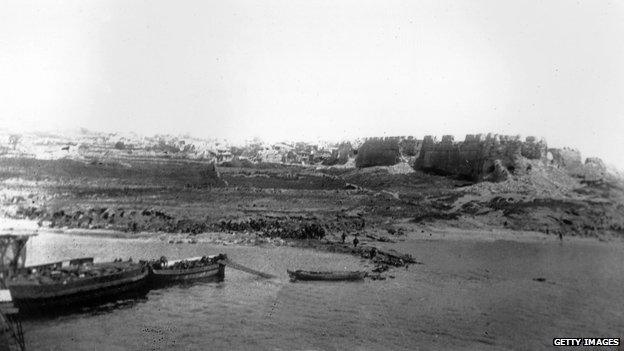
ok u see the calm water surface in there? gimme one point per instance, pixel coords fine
(466, 295)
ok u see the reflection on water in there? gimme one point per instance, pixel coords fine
(95, 307)
(466, 295)
(115, 305)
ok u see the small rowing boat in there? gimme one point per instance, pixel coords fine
(163, 272)
(326, 275)
(74, 283)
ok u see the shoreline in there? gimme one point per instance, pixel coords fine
(416, 232)
(476, 278)
(449, 233)
(393, 250)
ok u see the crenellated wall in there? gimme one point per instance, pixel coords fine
(479, 157)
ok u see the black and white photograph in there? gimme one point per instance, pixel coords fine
(314, 175)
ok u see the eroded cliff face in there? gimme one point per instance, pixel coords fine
(478, 157)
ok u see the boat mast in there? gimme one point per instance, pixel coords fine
(12, 253)
(12, 258)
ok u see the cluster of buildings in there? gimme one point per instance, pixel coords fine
(477, 157)
(87, 144)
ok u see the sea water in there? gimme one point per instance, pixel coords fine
(466, 295)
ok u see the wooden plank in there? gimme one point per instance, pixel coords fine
(240, 267)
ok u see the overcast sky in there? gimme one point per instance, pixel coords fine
(318, 69)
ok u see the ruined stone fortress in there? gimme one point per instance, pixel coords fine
(479, 157)
(494, 157)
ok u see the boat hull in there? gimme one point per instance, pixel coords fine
(88, 291)
(325, 276)
(159, 277)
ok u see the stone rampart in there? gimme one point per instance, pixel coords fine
(378, 152)
(479, 157)
(566, 158)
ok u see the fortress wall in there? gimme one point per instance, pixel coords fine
(450, 158)
(478, 156)
(388, 151)
(566, 158)
(409, 146)
(595, 162)
(378, 152)
(594, 169)
(534, 150)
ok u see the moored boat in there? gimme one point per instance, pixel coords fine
(163, 272)
(74, 283)
(326, 275)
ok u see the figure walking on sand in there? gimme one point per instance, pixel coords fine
(343, 237)
(560, 236)
(355, 241)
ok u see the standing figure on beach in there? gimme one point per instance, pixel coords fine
(343, 237)
(560, 236)
(355, 241)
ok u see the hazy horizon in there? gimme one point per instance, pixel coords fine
(319, 70)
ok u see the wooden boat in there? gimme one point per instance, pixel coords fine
(163, 272)
(74, 283)
(55, 265)
(326, 275)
